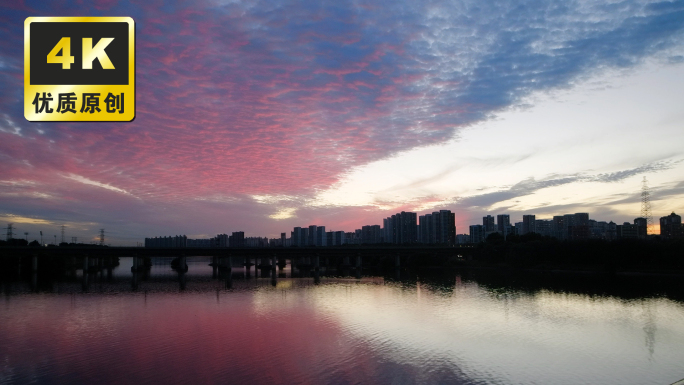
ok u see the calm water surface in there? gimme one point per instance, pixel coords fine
(455, 329)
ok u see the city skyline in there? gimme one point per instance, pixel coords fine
(265, 116)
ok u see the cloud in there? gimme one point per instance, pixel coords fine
(530, 185)
(89, 182)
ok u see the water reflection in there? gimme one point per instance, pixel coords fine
(317, 323)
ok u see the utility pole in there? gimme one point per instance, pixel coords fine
(10, 233)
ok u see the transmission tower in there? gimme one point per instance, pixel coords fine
(646, 205)
(74, 239)
(26, 234)
(102, 237)
(10, 233)
(63, 233)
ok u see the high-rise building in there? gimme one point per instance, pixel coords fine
(518, 228)
(477, 233)
(488, 223)
(321, 239)
(642, 227)
(558, 228)
(528, 224)
(671, 226)
(237, 239)
(311, 239)
(401, 228)
(371, 234)
(462, 239)
(611, 231)
(220, 240)
(437, 228)
(627, 231)
(300, 237)
(544, 227)
(503, 224)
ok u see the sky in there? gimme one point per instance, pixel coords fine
(261, 116)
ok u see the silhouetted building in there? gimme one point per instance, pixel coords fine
(220, 240)
(300, 237)
(503, 224)
(401, 228)
(642, 227)
(462, 239)
(203, 242)
(237, 239)
(488, 224)
(477, 233)
(611, 231)
(671, 226)
(626, 231)
(371, 234)
(438, 228)
(255, 242)
(311, 239)
(517, 228)
(597, 229)
(177, 241)
(529, 224)
(321, 239)
(543, 227)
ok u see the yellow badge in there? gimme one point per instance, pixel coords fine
(79, 69)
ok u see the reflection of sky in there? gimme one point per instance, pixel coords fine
(264, 116)
(341, 331)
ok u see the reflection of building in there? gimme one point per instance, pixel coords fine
(671, 226)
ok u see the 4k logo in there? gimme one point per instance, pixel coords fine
(79, 69)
